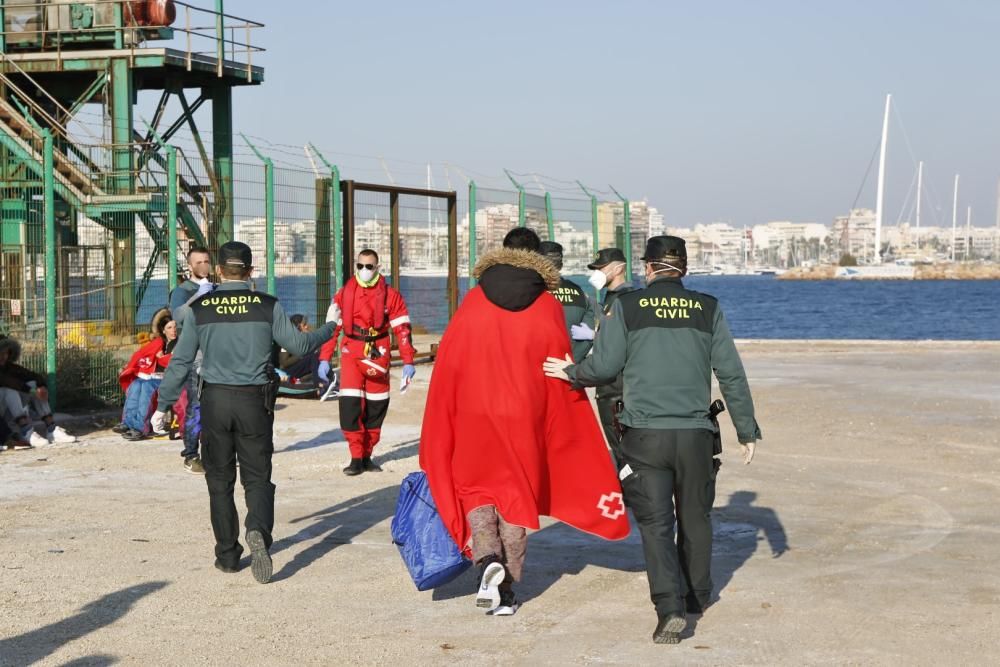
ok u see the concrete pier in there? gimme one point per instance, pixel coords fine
(865, 532)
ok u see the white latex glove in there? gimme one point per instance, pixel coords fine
(333, 313)
(158, 422)
(204, 289)
(581, 332)
(748, 450)
(555, 367)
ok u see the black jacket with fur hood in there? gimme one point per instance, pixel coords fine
(513, 279)
(12, 375)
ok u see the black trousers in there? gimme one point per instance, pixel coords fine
(673, 475)
(236, 426)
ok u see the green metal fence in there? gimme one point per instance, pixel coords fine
(81, 283)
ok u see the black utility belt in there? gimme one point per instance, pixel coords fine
(240, 388)
(368, 339)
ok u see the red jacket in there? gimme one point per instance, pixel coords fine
(144, 361)
(377, 306)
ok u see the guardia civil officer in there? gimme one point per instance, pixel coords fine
(235, 328)
(666, 340)
(577, 308)
(608, 271)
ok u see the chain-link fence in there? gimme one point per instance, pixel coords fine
(116, 261)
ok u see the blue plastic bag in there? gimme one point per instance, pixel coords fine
(427, 549)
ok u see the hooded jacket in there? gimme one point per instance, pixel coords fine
(13, 375)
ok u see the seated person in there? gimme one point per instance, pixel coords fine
(142, 375)
(299, 368)
(24, 398)
(11, 440)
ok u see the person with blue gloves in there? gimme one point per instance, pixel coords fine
(366, 309)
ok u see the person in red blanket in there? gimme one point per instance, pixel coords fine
(366, 308)
(500, 443)
(142, 375)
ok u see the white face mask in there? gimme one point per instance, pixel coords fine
(597, 279)
(670, 267)
(366, 275)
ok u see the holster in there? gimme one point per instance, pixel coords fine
(714, 410)
(270, 391)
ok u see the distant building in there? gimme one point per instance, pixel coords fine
(854, 233)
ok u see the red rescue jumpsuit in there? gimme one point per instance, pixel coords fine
(364, 390)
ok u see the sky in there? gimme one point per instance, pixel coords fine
(743, 112)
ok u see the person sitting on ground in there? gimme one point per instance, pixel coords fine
(299, 368)
(142, 375)
(10, 439)
(500, 447)
(24, 397)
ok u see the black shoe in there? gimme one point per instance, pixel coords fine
(133, 436)
(668, 630)
(355, 468)
(369, 465)
(119, 428)
(260, 559)
(222, 567)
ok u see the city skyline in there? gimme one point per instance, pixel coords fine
(731, 111)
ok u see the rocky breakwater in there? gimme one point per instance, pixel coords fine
(943, 271)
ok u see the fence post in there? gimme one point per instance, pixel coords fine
(472, 232)
(548, 217)
(268, 214)
(171, 218)
(336, 219)
(520, 199)
(593, 216)
(627, 232)
(49, 204)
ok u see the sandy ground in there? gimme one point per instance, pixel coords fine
(865, 532)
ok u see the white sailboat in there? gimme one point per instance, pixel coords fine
(877, 270)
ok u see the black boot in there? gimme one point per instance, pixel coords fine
(369, 465)
(669, 629)
(355, 468)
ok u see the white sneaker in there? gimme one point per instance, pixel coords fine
(489, 588)
(59, 435)
(37, 440)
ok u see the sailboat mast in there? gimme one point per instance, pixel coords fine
(880, 194)
(968, 232)
(920, 187)
(954, 219)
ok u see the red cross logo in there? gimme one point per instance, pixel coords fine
(609, 501)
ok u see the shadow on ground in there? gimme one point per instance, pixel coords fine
(559, 550)
(321, 440)
(32, 646)
(334, 526)
(737, 532)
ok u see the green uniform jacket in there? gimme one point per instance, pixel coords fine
(612, 391)
(666, 341)
(577, 308)
(236, 329)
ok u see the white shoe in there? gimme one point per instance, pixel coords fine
(59, 435)
(37, 440)
(505, 609)
(489, 588)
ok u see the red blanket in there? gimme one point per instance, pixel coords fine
(143, 361)
(496, 431)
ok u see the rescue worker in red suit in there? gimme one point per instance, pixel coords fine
(368, 308)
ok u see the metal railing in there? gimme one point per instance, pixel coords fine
(224, 40)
